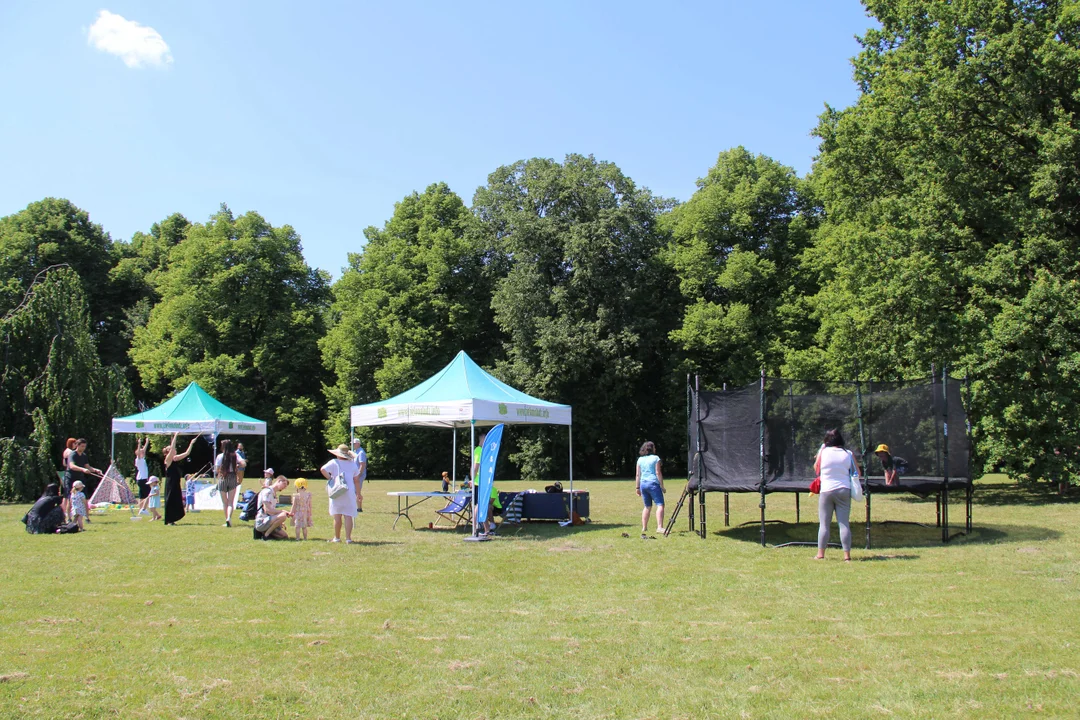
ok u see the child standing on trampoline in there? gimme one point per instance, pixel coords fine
(650, 487)
(837, 467)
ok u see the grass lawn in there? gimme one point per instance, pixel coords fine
(137, 620)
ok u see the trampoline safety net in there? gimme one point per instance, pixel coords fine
(916, 419)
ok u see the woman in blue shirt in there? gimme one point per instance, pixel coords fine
(650, 487)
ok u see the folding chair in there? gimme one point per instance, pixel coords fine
(458, 509)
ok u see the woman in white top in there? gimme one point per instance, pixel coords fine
(142, 473)
(835, 467)
(343, 507)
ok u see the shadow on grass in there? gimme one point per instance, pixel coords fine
(893, 535)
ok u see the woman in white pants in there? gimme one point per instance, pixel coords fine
(835, 466)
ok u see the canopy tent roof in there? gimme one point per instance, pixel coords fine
(459, 395)
(190, 411)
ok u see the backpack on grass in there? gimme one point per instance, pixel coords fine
(250, 505)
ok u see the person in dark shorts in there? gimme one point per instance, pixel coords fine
(892, 465)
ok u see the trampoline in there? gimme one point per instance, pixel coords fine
(763, 438)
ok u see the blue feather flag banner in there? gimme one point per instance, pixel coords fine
(488, 457)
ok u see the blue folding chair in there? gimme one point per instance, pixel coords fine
(458, 510)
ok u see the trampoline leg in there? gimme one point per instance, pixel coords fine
(690, 512)
(727, 510)
(945, 514)
(701, 510)
(939, 509)
(796, 508)
(968, 526)
(868, 522)
(762, 506)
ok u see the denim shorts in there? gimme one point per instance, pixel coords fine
(651, 493)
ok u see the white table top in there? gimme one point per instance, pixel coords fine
(418, 493)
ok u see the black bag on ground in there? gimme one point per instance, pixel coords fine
(250, 505)
(67, 528)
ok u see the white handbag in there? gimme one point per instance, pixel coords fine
(337, 486)
(856, 486)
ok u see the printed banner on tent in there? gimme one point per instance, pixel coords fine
(489, 456)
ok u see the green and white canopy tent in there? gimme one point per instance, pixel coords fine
(462, 395)
(192, 411)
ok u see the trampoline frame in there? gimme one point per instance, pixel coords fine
(942, 491)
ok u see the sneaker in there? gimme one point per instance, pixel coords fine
(335, 540)
(227, 524)
(359, 510)
(349, 542)
(144, 512)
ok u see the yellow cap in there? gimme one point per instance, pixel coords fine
(882, 448)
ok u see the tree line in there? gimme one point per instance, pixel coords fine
(940, 223)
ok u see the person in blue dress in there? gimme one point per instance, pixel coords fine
(650, 487)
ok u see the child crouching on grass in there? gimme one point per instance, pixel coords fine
(78, 503)
(153, 501)
(301, 508)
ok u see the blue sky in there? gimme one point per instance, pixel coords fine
(322, 115)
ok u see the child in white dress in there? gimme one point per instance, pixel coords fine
(78, 503)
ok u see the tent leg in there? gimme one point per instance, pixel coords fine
(570, 431)
(453, 461)
(112, 448)
(472, 453)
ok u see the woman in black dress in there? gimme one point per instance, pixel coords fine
(174, 491)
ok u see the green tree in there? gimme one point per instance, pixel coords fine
(953, 207)
(52, 385)
(586, 305)
(241, 313)
(417, 294)
(735, 247)
(54, 232)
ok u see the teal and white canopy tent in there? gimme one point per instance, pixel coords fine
(460, 395)
(192, 411)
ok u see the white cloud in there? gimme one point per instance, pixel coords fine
(135, 44)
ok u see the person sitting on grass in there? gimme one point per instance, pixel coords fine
(47, 515)
(892, 465)
(269, 521)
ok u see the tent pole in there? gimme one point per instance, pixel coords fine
(472, 454)
(265, 463)
(570, 429)
(453, 460)
(112, 448)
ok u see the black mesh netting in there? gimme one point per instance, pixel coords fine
(913, 419)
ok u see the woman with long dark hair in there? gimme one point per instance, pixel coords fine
(228, 468)
(174, 492)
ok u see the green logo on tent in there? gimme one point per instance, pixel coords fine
(138, 423)
(502, 408)
(382, 412)
(230, 426)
